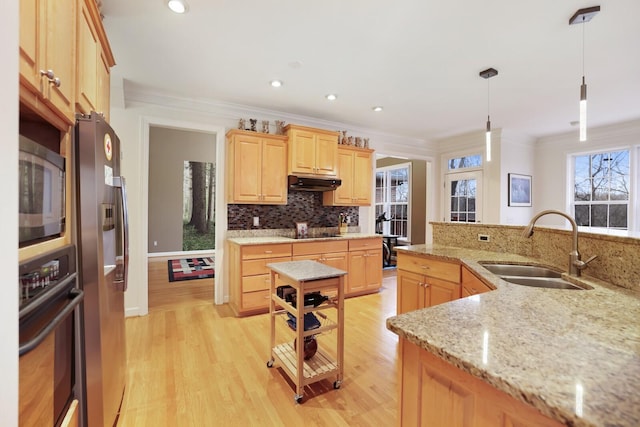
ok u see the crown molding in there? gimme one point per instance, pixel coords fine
(138, 95)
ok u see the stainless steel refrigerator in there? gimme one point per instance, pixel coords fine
(102, 241)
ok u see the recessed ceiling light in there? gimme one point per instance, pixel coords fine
(331, 97)
(377, 108)
(178, 6)
(276, 83)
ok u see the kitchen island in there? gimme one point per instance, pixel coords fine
(572, 355)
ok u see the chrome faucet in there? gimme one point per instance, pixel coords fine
(576, 265)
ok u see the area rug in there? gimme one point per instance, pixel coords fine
(191, 269)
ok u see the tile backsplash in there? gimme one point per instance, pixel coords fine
(302, 206)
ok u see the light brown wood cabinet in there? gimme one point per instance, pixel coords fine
(425, 282)
(249, 277)
(471, 284)
(436, 393)
(256, 168)
(354, 168)
(47, 66)
(333, 254)
(365, 266)
(312, 151)
(361, 258)
(94, 61)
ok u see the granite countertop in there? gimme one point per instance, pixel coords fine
(573, 354)
(305, 271)
(261, 240)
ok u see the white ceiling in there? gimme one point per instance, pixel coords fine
(419, 59)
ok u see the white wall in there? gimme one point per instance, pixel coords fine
(9, 214)
(132, 126)
(517, 156)
(551, 163)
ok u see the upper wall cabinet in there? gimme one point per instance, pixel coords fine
(312, 151)
(94, 60)
(355, 170)
(256, 168)
(47, 69)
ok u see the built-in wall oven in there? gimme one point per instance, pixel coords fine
(49, 349)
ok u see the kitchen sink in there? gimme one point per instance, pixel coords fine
(521, 270)
(530, 275)
(542, 282)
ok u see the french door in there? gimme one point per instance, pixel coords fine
(463, 197)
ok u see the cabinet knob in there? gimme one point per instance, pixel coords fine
(268, 252)
(51, 76)
(424, 267)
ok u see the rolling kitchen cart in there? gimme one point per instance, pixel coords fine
(306, 277)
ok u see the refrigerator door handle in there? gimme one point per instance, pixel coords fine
(120, 182)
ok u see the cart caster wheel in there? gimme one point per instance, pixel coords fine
(297, 398)
(337, 384)
(269, 363)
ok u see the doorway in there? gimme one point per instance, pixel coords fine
(181, 209)
(217, 134)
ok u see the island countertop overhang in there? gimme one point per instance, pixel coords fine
(538, 345)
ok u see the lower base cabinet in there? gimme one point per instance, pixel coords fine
(249, 275)
(365, 266)
(425, 282)
(436, 393)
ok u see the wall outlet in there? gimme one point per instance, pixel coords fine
(256, 221)
(155, 243)
(483, 238)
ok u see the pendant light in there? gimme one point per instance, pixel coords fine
(580, 17)
(487, 74)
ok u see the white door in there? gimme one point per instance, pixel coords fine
(463, 197)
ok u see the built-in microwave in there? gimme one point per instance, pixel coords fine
(41, 183)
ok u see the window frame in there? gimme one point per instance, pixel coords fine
(633, 207)
(386, 203)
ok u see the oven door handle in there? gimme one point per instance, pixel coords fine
(78, 296)
(59, 288)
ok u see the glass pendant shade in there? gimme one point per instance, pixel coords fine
(583, 111)
(488, 140)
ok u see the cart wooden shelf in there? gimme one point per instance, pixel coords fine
(306, 277)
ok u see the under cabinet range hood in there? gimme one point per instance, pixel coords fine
(305, 183)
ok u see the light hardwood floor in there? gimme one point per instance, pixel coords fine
(191, 363)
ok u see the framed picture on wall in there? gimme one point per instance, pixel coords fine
(519, 190)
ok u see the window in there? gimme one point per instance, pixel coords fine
(602, 189)
(392, 200)
(463, 189)
(474, 161)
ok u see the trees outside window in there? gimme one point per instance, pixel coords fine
(602, 189)
(463, 189)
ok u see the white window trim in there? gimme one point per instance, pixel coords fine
(463, 174)
(410, 177)
(633, 225)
